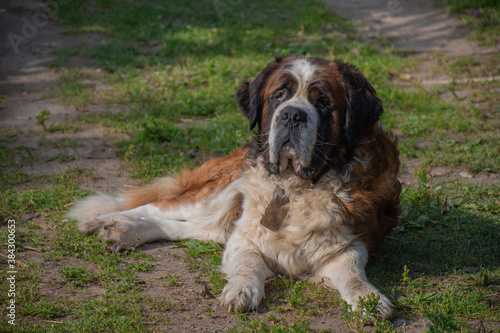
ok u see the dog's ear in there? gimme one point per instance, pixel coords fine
(363, 108)
(250, 95)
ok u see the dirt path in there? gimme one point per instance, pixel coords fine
(426, 32)
(417, 25)
(423, 30)
(29, 84)
(434, 38)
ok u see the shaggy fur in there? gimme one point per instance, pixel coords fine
(320, 164)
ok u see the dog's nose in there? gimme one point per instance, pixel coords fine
(293, 116)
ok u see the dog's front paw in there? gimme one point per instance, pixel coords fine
(240, 293)
(120, 234)
(384, 306)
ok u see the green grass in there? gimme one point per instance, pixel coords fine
(172, 70)
(447, 239)
(482, 15)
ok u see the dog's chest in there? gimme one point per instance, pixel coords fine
(310, 226)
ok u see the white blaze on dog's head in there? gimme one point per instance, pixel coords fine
(293, 129)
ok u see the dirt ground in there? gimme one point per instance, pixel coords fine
(29, 84)
(422, 29)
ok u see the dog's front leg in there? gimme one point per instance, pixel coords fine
(347, 274)
(245, 271)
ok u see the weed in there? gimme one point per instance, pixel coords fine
(256, 325)
(406, 276)
(42, 118)
(368, 313)
(172, 280)
(45, 309)
(143, 266)
(442, 319)
(296, 296)
(211, 254)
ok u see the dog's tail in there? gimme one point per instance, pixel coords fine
(187, 187)
(87, 209)
(190, 185)
(162, 190)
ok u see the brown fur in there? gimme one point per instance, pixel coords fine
(190, 185)
(375, 190)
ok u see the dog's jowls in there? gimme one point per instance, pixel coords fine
(312, 195)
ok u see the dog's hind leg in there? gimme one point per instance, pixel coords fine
(120, 231)
(209, 219)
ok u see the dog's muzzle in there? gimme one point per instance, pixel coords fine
(292, 138)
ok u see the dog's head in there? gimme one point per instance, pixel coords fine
(310, 112)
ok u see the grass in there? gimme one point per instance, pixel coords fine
(482, 15)
(445, 241)
(172, 70)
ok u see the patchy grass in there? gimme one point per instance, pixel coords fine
(483, 15)
(175, 67)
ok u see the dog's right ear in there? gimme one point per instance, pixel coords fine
(250, 95)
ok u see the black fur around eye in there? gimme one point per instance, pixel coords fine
(323, 103)
(279, 95)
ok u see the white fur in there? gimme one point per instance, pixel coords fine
(91, 207)
(311, 240)
(303, 71)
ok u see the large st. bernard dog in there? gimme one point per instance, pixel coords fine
(312, 195)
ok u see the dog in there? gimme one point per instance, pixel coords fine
(313, 194)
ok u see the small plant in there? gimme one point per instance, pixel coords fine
(143, 266)
(483, 279)
(442, 319)
(367, 314)
(42, 118)
(173, 280)
(406, 276)
(297, 296)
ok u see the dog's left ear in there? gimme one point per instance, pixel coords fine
(250, 95)
(363, 108)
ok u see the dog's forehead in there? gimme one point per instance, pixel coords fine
(305, 75)
(302, 69)
(312, 72)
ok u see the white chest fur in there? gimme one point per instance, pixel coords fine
(312, 231)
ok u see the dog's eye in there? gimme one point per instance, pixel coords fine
(323, 103)
(280, 95)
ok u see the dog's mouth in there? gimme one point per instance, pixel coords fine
(289, 160)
